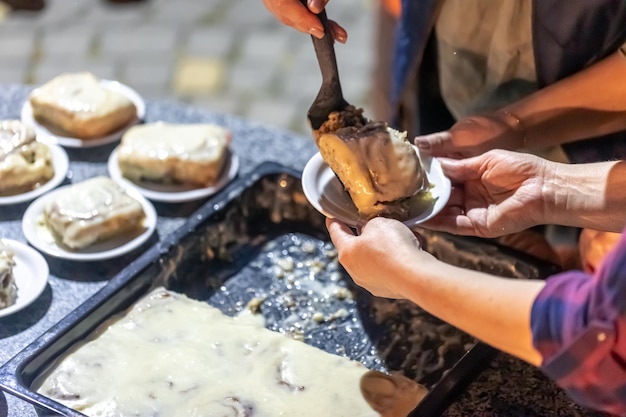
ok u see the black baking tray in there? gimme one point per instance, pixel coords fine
(260, 239)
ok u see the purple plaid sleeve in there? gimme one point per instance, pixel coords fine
(579, 326)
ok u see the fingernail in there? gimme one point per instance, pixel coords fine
(317, 32)
(341, 38)
(315, 6)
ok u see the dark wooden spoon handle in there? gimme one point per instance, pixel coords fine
(325, 51)
(329, 98)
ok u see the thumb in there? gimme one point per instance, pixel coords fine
(436, 144)
(461, 170)
(340, 233)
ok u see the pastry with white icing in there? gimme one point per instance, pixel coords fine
(8, 288)
(192, 154)
(25, 163)
(79, 105)
(377, 165)
(92, 211)
(173, 356)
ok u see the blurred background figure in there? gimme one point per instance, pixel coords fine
(229, 56)
(386, 19)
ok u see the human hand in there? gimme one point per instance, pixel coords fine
(474, 135)
(374, 256)
(303, 18)
(493, 194)
(594, 245)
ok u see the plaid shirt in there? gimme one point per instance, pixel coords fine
(579, 327)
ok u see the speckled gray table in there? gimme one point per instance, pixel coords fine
(507, 387)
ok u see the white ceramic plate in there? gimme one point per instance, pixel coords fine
(174, 193)
(31, 275)
(46, 135)
(61, 164)
(41, 237)
(324, 191)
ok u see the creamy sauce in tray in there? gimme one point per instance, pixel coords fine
(173, 356)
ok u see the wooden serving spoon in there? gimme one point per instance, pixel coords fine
(391, 395)
(329, 98)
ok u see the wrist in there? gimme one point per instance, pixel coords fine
(516, 127)
(578, 195)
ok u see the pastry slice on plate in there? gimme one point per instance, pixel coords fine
(8, 288)
(78, 105)
(25, 163)
(377, 165)
(192, 154)
(92, 211)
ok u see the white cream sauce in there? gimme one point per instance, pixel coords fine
(173, 356)
(24, 162)
(80, 214)
(196, 142)
(13, 135)
(81, 94)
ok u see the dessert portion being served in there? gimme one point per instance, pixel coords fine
(173, 356)
(92, 211)
(377, 165)
(191, 154)
(8, 288)
(77, 104)
(25, 163)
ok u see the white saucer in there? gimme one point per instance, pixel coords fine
(174, 193)
(41, 237)
(324, 191)
(31, 275)
(47, 136)
(61, 164)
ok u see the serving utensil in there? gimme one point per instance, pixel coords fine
(329, 98)
(391, 395)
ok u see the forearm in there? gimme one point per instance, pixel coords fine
(587, 104)
(586, 195)
(495, 310)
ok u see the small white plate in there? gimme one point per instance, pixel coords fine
(175, 193)
(61, 164)
(324, 191)
(31, 275)
(46, 135)
(41, 237)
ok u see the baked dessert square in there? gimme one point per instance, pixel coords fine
(8, 288)
(25, 163)
(79, 105)
(192, 154)
(92, 211)
(376, 164)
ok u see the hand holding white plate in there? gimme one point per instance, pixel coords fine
(41, 237)
(31, 275)
(60, 163)
(326, 194)
(175, 193)
(46, 135)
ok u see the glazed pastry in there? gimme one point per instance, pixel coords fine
(92, 211)
(8, 288)
(170, 355)
(78, 105)
(192, 154)
(25, 163)
(376, 164)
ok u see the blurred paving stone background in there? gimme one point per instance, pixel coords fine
(229, 56)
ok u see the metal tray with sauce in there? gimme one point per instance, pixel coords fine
(259, 244)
